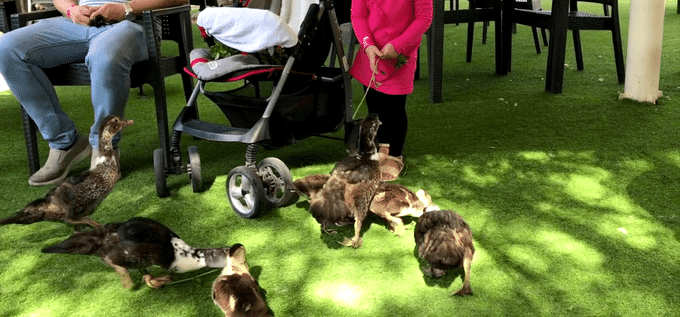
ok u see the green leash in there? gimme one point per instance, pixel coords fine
(193, 278)
(364, 98)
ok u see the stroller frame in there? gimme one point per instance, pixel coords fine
(254, 187)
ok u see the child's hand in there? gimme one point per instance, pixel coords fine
(388, 51)
(373, 53)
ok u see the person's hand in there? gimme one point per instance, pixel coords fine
(373, 54)
(388, 51)
(80, 14)
(110, 12)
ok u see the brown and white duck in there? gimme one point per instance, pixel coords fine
(139, 243)
(444, 240)
(235, 291)
(78, 196)
(346, 195)
(393, 201)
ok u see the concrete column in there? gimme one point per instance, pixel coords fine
(645, 38)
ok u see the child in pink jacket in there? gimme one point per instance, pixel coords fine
(389, 34)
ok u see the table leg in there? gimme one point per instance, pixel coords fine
(435, 51)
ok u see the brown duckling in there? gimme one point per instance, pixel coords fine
(139, 243)
(393, 201)
(444, 240)
(78, 196)
(235, 291)
(346, 195)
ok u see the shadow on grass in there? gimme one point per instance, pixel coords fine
(658, 191)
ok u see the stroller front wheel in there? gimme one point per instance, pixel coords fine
(245, 192)
(277, 181)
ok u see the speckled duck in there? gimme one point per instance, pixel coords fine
(139, 243)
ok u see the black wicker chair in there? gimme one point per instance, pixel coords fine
(7, 8)
(170, 24)
(576, 21)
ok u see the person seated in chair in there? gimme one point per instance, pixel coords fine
(109, 50)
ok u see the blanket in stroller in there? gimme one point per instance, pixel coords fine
(247, 30)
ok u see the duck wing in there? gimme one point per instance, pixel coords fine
(144, 230)
(143, 243)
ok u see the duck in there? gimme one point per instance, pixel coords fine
(346, 194)
(77, 197)
(139, 243)
(444, 240)
(393, 201)
(235, 291)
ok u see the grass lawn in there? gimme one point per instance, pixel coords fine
(573, 201)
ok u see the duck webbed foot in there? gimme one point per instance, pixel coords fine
(397, 226)
(157, 282)
(354, 242)
(328, 231)
(125, 278)
(465, 290)
(81, 223)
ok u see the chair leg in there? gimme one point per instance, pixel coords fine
(470, 38)
(30, 131)
(545, 37)
(577, 49)
(485, 31)
(498, 49)
(618, 55)
(162, 119)
(187, 85)
(537, 42)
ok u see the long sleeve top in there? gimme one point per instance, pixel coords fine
(400, 22)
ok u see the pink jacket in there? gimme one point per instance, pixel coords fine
(400, 22)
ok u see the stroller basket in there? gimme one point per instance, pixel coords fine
(302, 111)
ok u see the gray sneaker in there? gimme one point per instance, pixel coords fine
(59, 163)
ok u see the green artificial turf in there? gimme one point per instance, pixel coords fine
(573, 202)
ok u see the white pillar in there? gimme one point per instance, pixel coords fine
(645, 38)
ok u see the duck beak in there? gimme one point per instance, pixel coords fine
(128, 123)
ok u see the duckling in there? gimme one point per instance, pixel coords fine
(139, 243)
(346, 195)
(310, 185)
(444, 240)
(78, 196)
(393, 201)
(235, 291)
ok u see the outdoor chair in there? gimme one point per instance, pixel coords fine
(170, 24)
(575, 21)
(7, 8)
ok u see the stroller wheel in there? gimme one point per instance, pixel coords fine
(277, 181)
(195, 169)
(245, 192)
(159, 169)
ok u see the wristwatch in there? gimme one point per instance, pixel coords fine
(129, 15)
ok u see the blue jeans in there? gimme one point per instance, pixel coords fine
(109, 53)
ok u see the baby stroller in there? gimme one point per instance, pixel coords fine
(307, 98)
